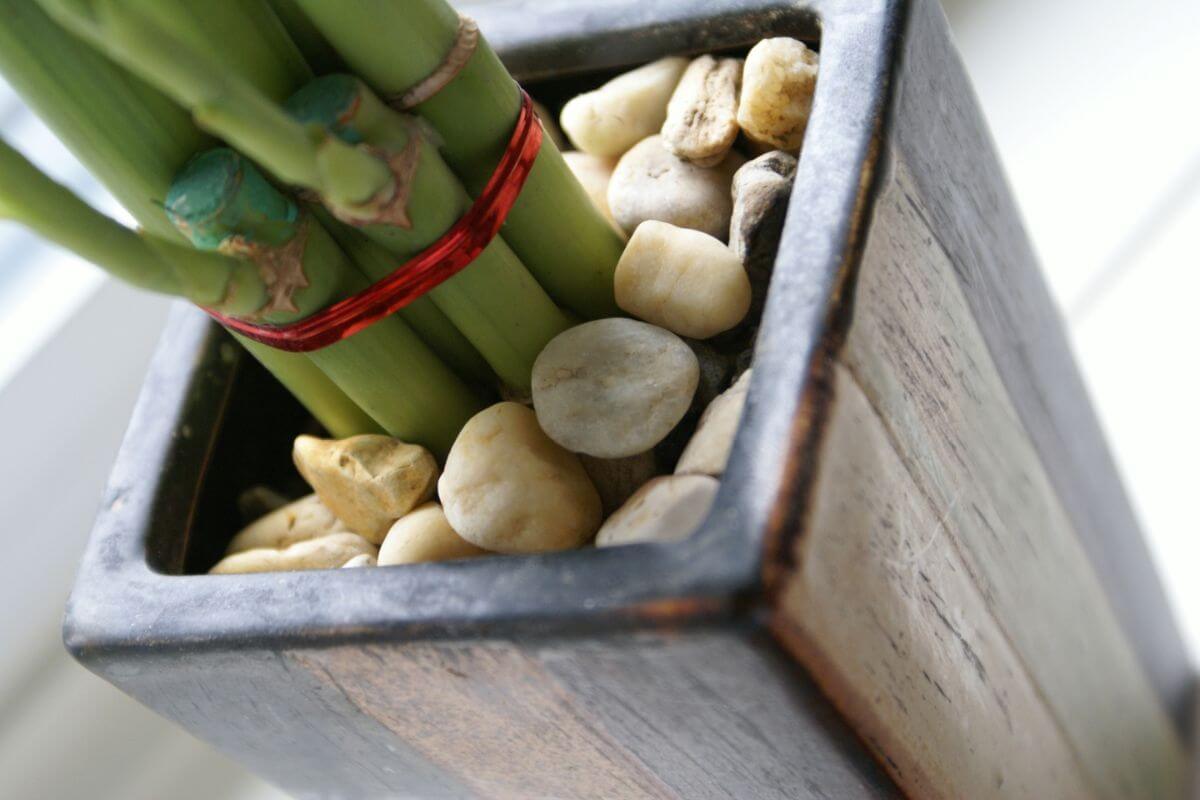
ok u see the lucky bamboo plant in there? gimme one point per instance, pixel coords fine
(293, 189)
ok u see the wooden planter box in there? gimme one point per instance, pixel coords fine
(920, 521)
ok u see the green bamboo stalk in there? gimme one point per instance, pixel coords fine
(245, 35)
(553, 228)
(134, 139)
(258, 40)
(316, 49)
(422, 314)
(51, 210)
(316, 391)
(129, 136)
(226, 284)
(497, 305)
(480, 299)
(221, 202)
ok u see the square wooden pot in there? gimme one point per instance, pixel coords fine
(918, 506)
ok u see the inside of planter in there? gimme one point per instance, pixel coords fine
(253, 444)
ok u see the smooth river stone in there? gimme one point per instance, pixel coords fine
(613, 388)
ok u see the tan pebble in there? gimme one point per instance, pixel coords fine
(666, 509)
(507, 487)
(593, 174)
(367, 481)
(613, 387)
(683, 280)
(701, 121)
(306, 518)
(325, 552)
(424, 534)
(708, 451)
(778, 83)
(650, 182)
(608, 121)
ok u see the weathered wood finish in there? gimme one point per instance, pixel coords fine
(919, 512)
(939, 131)
(981, 636)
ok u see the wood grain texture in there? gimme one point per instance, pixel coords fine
(893, 626)
(699, 715)
(970, 636)
(480, 710)
(939, 130)
(917, 353)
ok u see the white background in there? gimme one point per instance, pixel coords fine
(1093, 106)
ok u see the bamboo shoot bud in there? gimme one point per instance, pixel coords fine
(495, 302)
(554, 228)
(221, 201)
(134, 139)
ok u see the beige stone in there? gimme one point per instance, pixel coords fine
(667, 509)
(650, 182)
(608, 121)
(682, 280)
(708, 451)
(509, 488)
(594, 174)
(363, 560)
(424, 534)
(613, 387)
(702, 121)
(367, 481)
(778, 83)
(306, 518)
(324, 552)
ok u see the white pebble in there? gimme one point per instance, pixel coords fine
(594, 174)
(651, 182)
(364, 560)
(666, 509)
(324, 552)
(306, 518)
(507, 487)
(778, 83)
(682, 280)
(424, 534)
(608, 121)
(708, 451)
(613, 387)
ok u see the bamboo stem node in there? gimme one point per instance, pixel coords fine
(281, 266)
(456, 58)
(390, 205)
(453, 252)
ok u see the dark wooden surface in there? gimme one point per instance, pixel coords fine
(940, 590)
(689, 715)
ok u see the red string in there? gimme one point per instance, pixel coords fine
(439, 262)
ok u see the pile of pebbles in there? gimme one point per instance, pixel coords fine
(631, 419)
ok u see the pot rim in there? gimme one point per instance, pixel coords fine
(120, 603)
